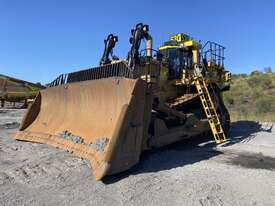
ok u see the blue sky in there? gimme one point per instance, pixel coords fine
(40, 39)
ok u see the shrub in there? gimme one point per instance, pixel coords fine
(265, 104)
(252, 97)
(255, 72)
(263, 81)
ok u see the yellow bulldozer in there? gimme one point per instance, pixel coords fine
(111, 113)
(17, 91)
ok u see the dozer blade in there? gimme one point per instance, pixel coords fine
(100, 120)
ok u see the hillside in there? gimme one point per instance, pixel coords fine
(252, 97)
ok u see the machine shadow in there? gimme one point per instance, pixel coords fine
(169, 157)
(189, 151)
(245, 131)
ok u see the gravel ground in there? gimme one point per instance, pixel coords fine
(187, 173)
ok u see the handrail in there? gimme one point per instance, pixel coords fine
(214, 53)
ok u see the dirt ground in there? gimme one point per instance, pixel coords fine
(187, 173)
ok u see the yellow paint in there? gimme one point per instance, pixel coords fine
(189, 43)
(168, 47)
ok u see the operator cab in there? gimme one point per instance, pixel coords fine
(178, 54)
(178, 60)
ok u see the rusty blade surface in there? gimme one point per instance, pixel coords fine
(101, 120)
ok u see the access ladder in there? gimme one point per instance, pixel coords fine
(209, 109)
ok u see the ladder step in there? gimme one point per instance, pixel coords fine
(212, 117)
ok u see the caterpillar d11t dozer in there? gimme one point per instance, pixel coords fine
(111, 113)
